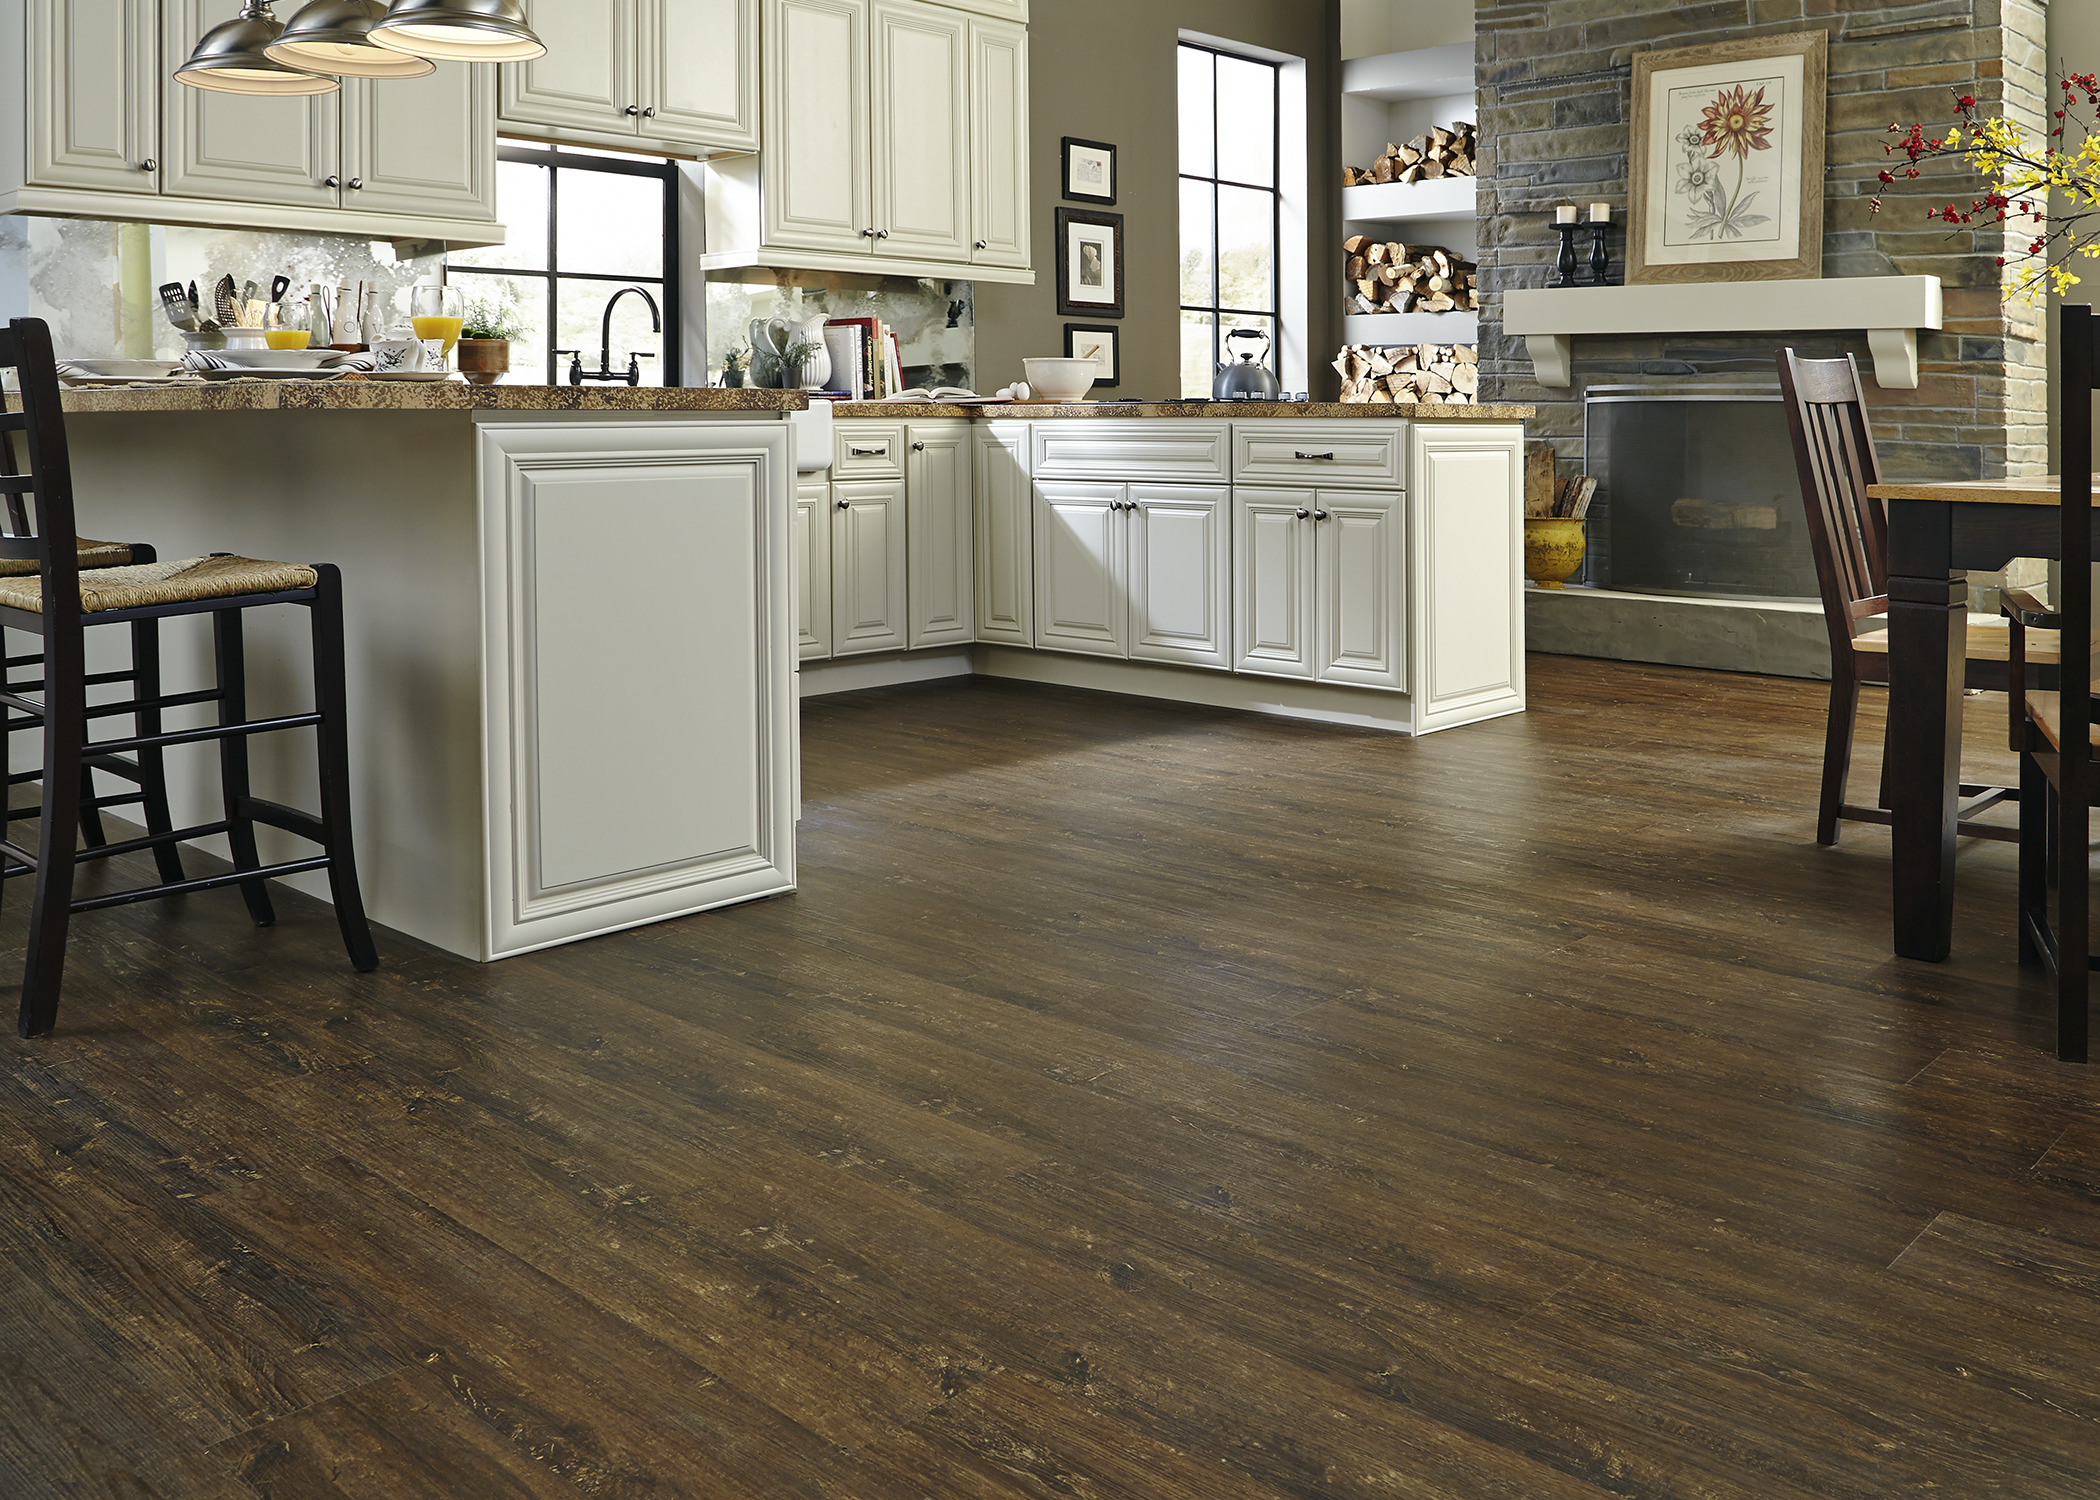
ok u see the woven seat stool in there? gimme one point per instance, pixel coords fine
(60, 602)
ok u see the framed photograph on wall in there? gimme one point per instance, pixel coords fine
(1101, 343)
(1727, 162)
(1089, 263)
(1090, 170)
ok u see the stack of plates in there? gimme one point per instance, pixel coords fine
(267, 364)
(121, 371)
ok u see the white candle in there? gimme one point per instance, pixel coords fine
(1565, 214)
(1600, 213)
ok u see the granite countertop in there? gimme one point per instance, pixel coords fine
(1217, 410)
(352, 394)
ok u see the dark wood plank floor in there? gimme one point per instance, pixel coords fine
(1135, 1101)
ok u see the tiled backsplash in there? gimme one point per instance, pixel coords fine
(934, 321)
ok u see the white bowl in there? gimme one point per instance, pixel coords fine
(1060, 380)
(280, 359)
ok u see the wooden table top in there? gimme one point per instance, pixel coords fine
(2034, 489)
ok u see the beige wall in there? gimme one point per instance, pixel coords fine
(1104, 70)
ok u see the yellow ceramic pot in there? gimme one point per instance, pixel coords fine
(1552, 550)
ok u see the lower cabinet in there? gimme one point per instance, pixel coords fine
(812, 569)
(938, 565)
(1133, 570)
(867, 567)
(1004, 513)
(1319, 592)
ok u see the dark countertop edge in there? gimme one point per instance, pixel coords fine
(851, 411)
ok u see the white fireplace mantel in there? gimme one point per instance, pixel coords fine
(1890, 308)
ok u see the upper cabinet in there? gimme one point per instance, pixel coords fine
(675, 76)
(895, 142)
(104, 132)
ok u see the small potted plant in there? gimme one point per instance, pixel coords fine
(798, 365)
(733, 364)
(485, 336)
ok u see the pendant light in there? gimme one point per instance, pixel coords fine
(459, 30)
(229, 58)
(333, 36)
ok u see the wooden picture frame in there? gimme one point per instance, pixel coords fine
(1726, 162)
(1107, 352)
(1089, 264)
(1087, 170)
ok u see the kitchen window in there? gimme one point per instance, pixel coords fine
(1231, 206)
(581, 225)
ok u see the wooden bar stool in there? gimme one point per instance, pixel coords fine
(59, 603)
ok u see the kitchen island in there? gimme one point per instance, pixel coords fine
(576, 616)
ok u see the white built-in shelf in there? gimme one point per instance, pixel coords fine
(1428, 73)
(1411, 328)
(1391, 202)
(1890, 309)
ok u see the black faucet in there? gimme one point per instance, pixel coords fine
(632, 375)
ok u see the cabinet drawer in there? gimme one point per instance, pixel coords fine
(867, 450)
(1110, 448)
(1367, 453)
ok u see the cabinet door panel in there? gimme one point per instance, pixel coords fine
(1272, 599)
(1081, 593)
(922, 130)
(1362, 589)
(816, 125)
(813, 570)
(1005, 536)
(998, 144)
(867, 567)
(699, 72)
(94, 94)
(1180, 578)
(937, 538)
(422, 145)
(241, 147)
(1466, 532)
(586, 79)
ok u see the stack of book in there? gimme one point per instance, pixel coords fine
(867, 364)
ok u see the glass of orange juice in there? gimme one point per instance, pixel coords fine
(285, 326)
(437, 312)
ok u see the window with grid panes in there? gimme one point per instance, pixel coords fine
(1230, 206)
(581, 225)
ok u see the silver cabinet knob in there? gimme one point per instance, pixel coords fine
(149, 165)
(845, 505)
(649, 112)
(632, 109)
(918, 447)
(867, 234)
(984, 244)
(1304, 514)
(331, 182)
(1319, 515)
(882, 234)
(357, 184)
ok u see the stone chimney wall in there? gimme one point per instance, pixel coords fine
(1554, 81)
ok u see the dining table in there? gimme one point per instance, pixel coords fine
(1937, 531)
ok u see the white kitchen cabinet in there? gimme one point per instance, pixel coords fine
(676, 75)
(1320, 587)
(812, 569)
(1004, 513)
(868, 589)
(818, 163)
(1082, 589)
(998, 138)
(93, 99)
(1180, 573)
(938, 556)
(1005, 10)
(421, 145)
(919, 102)
(1466, 534)
(254, 148)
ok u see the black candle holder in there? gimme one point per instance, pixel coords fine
(1600, 253)
(1566, 263)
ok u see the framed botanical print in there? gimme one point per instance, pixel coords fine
(1099, 343)
(1089, 263)
(1727, 162)
(1090, 170)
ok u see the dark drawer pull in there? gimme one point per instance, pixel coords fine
(1328, 456)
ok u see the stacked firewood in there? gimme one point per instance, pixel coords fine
(1439, 153)
(1417, 374)
(1387, 276)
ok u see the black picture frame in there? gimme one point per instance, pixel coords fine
(1069, 219)
(1064, 163)
(1115, 334)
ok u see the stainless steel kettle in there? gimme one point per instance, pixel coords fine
(1245, 375)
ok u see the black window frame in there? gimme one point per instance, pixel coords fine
(1216, 312)
(581, 159)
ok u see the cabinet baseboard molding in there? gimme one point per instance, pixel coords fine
(773, 257)
(848, 674)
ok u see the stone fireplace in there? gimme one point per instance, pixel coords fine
(1553, 80)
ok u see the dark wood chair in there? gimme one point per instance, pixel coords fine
(2057, 784)
(1848, 531)
(59, 603)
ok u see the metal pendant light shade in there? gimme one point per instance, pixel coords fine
(460, 30)
(334, 36)
(230, 58)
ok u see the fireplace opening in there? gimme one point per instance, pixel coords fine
(1698, 494)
